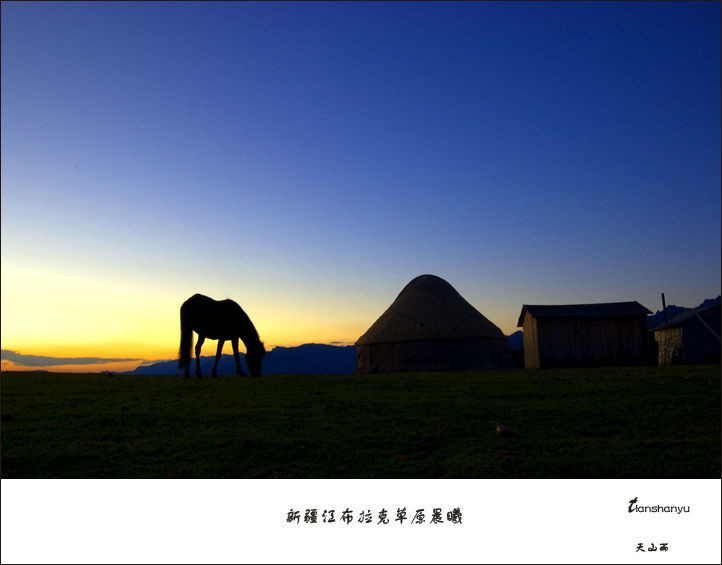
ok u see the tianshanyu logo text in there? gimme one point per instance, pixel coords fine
(634, 507)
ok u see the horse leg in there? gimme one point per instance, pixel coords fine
(236, 356)
(201, 339)
(219, 350)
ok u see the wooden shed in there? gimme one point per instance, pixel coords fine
(692, 337)
(584, 335)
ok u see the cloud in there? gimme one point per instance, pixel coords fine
(42, 361)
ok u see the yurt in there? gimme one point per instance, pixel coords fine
(430, 327)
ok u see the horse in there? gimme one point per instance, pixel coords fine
(222, 320)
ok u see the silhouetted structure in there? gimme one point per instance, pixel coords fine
(584, 335)
(222, 320)
(430, 327)
(691, 337)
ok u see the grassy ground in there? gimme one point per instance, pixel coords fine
(601, 423)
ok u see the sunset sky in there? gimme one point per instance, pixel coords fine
(308, 160)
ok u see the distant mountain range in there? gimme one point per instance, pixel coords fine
(320, 359)
(311, 358)
(673, 311)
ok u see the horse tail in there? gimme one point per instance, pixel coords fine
(186, 343)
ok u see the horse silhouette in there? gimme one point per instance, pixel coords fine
(222, 320)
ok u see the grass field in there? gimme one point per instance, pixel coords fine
(640, 422)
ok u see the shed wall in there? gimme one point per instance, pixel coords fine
(700, 346)
(590, 342)
(671, 349)
(531, 343)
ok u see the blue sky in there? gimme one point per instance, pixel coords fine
(308, 160)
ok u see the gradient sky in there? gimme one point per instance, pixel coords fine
(308, 160)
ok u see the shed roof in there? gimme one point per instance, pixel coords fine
(602, 310)
(684, 317)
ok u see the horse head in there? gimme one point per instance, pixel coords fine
(254, 358)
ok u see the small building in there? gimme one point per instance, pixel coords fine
(584, 335)
(692, 337)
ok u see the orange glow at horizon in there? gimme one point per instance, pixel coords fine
(64, 313)
(59, 314)
(48, 312)
(72, 368)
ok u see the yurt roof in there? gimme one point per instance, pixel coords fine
(429, 308)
